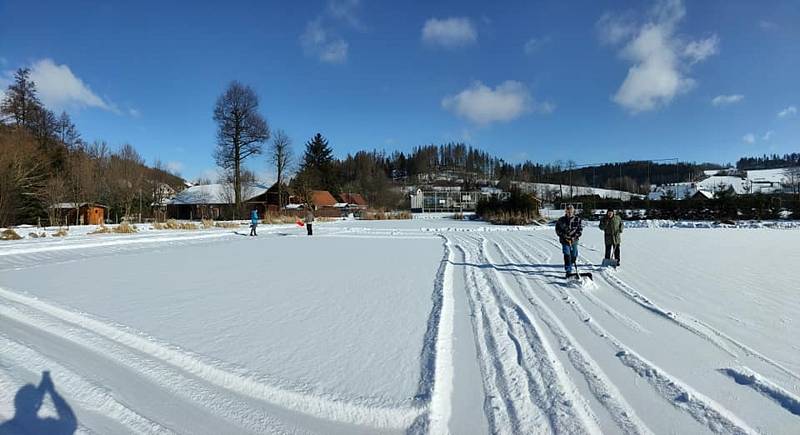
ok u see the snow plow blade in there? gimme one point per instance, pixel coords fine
(581, 275)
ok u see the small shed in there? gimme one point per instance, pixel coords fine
(86, 213)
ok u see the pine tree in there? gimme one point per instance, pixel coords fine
(21, 105)
(317, 169)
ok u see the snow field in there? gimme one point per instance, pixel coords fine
(418, 326)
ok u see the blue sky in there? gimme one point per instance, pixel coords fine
(588, 81)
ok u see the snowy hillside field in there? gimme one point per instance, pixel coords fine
(419, 326)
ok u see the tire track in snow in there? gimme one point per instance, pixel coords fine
(228, 378)
(82, 391)
(679, 394)
(599, 384)
(537, 368)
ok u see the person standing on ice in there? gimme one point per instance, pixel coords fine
(253, 222)
(569, 229)
(309, 220)
(611, 224)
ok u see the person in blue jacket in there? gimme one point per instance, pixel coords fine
(253, 222)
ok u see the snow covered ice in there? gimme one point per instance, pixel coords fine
(419, 326)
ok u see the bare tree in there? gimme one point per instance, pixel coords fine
(52, 195)
(281, 156)
(66, 132)
(22, 173)
(792, 179)
(240, 132)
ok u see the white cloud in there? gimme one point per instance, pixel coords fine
(449, 32)
(749, 138)
(768, 135)
(787, 112)
(724, 100)
(484, 105)
(659, 59)
(317, 41)
(767, 25)
(134, 112)
(345, 10)
(534, 44)
(175, 167)
(59, 88)
(615, 28)
(697, 51)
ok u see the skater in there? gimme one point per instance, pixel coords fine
(309, 219)
(569, 229)
(253, 222)
(611, 224)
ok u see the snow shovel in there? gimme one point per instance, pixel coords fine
(300, 223)
(577, 273)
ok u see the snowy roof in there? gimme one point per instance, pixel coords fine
(717, 183)
(703, 193)
(293, 206)
(71, 205)
(214, 194)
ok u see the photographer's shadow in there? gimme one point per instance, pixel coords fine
(28, 401)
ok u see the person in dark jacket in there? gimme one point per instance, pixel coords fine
(253, 222)
(309, 220)
(611, 224)
(569, 229)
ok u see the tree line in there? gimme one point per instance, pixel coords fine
(45, 162)
(768, 161)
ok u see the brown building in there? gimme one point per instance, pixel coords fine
(354, 201)
(87, 213)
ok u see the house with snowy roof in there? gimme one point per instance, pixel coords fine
(209, 201)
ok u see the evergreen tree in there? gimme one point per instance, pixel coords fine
(317, 169)
(21, 104)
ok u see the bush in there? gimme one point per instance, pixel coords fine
(102, 229)
(61, 232)
(207, 223)
(125, 228)
(9, 235)
(172, 224)
(518, 209)
(34, 235)
(378, 215)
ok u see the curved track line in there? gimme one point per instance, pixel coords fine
(243, 383)
(90, 396)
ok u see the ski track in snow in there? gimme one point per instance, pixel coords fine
(530, 388)
(213, 372)
(673, 390)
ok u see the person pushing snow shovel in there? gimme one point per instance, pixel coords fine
(611, 224)
(569, 229)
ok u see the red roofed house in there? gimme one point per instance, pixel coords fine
(354, 201)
